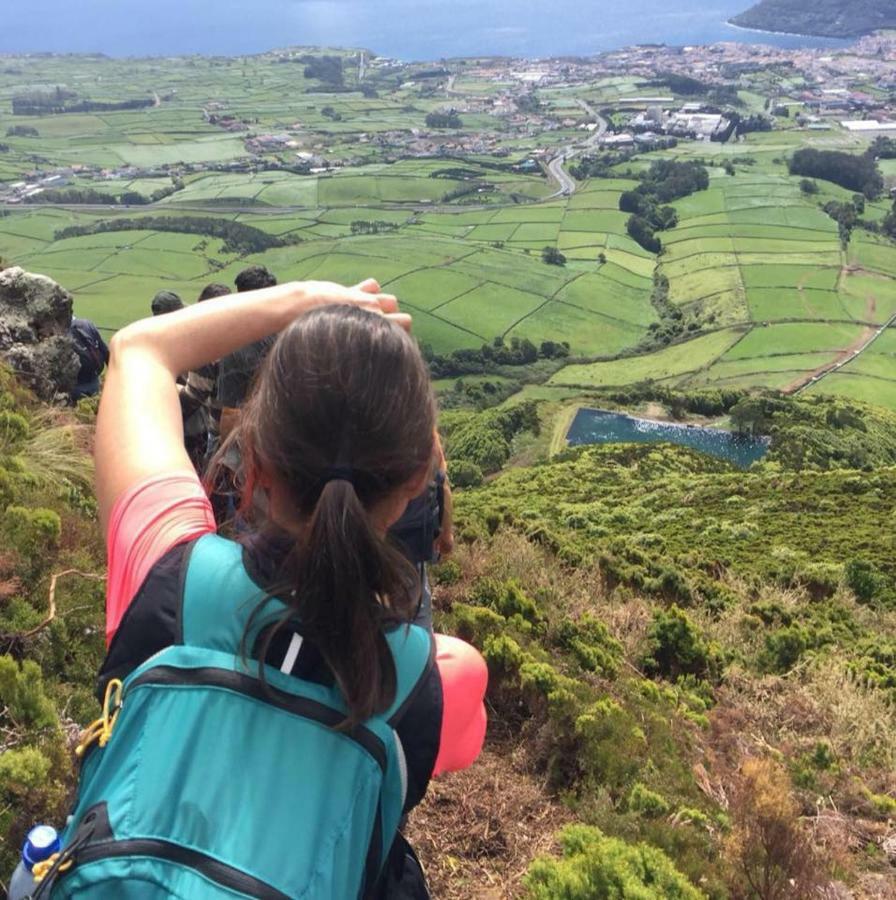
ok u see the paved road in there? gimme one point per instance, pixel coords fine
(566, 183)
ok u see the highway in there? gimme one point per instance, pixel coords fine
(566, 184)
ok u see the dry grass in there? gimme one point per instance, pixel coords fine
(862, 721)
(57, 452)
(574, 591)
(477, 831)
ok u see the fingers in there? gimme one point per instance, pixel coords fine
(403, 320)
(386, 302)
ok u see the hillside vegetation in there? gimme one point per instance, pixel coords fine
(826, 18)
(686, 660)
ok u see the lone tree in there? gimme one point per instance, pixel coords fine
(553, 257)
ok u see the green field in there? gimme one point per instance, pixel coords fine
(754, 266)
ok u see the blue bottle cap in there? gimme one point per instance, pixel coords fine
(42, 842)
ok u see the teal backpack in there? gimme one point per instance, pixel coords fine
(205, 785)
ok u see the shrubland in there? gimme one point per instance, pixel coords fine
(692, 667)
(51, 609)
(713, 703)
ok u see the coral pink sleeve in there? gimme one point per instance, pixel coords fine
(146, 522)
(464, 679)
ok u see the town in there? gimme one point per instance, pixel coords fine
(851, 92)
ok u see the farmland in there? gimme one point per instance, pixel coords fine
(754, 266)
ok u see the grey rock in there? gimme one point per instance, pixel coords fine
(35, 324)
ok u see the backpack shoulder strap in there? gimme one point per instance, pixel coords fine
(218, 597)
(413, 651)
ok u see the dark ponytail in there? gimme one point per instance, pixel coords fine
(342, 421)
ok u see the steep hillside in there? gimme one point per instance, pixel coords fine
(827, 18)
(51, 609)
(693, 668)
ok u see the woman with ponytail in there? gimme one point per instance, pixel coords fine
(288, 659)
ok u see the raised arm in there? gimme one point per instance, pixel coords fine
(139, 430)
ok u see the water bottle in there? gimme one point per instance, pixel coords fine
(42, 842)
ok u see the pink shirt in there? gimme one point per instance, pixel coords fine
(163, 511)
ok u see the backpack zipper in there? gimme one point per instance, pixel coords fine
(213, 869)
(249, 686)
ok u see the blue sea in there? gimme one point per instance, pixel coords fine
(406, 29)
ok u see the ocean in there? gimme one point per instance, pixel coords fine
(406, 29)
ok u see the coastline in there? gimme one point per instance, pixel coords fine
(684, 426)
(797, 34)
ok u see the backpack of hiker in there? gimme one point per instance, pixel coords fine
(419, 527)
(146, 827)
(90, 347)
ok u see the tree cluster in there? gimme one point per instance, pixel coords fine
(754, 122)
(236, 236)
(22, 131)
(552, 256)
(490, 357)
(882, 148)
(601, 165)
(664, 181)
(446, 118)
(92, 197)
(60, 99)
(855, 173)
(362, 226)
(327, 69)
(485, 439)
(846, 215)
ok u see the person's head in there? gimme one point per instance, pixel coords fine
(339, 430)
(254, 278)
(213, 290)
(166, 302)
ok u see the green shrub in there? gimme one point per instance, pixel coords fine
(676, 646)
(22, 770)
(597, 867)
(864, 580)
(13, 429)
(594, 648)
(784, 648)
(32, 532)
(506, 598)
(446, 572)
(22, 693)
(476, 623)
(646, 802)
(464, 474)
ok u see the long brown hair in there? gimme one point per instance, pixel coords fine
(342, 416)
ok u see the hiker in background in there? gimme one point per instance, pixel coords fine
(425, 531)
(235, 374)
(199, 401)
(292, 785)
(237, 369)
(165, 302)
(93, 354)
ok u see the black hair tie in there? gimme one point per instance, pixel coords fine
(339, 473)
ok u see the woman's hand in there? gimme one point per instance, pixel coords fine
(139, 430)
(366, 294)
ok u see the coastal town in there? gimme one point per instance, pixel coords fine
(850, 91)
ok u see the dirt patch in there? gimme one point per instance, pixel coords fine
(477, 831)
(856, 346)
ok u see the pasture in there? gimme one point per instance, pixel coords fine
(754, 266)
